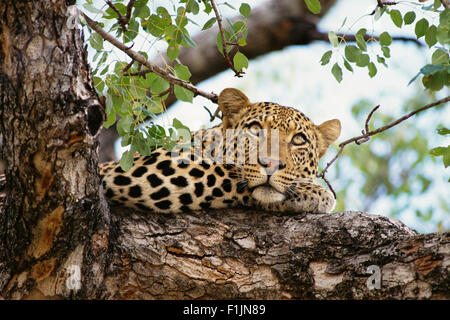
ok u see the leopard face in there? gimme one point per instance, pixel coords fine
(286, 144)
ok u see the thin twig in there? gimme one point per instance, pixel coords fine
(323, 36)
(122, 20)
(128, 66)
(381, 4)
(224, 41)
(365, 136)
(151, 68)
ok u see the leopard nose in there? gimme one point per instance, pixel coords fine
(271, 165)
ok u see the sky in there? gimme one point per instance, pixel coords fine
(294, 77)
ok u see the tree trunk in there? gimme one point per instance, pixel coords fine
(238, 253)
(54, 222)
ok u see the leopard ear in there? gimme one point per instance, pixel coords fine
(232, 103)
(329, 131)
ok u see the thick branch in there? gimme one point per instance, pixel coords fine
(248, 254)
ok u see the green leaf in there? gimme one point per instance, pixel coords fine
(124, 125)
(240, 61)
(209, 23)
(187, 41)
(363, 60)
(333, 38)
(386, 52)
(245, 10)
(313, 6)
(348, 66)
(110, 119)
(182, 72)
(396, 18)
(442, 151)
(443, 131)
(241, 42)
(173, 50)
(444, 19)
(421, 27)
(352, 53)
(159, 85)
(440, 56)
(96, 41)
(219, 41)
(409, 17)
(360, 39)
(430, 36)
(385, 39)
(372, 69)
(337, 72)
(430, 69)
(435, 81)
(443, 36)
(436, 4)
(381, 60)
(192, 6)
(326, 57)
(126, 162)
(183, 94)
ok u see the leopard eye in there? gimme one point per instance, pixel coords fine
(254, 128)
(299, 139)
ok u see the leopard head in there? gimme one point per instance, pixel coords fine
(282, 146)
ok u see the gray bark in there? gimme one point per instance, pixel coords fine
(49, 118)
(247, 254)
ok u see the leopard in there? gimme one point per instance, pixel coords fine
(267, 172)
(238, 163)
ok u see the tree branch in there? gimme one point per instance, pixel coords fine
(224, 41)
(122, 20)
(445, 4)
(323, 36)
(151, 68)
(250, 254)
(366, 133)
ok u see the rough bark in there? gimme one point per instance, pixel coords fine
(54, 214)
(238, 253)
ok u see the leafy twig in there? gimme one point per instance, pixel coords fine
(151, 68)
(317, 35)
(367, 133)
(224, 41)
(122, 20)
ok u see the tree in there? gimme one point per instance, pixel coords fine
(62, 240)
